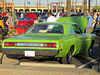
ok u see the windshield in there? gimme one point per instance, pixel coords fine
(26, 19)
(48, 28)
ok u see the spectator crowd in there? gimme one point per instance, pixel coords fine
(94, 20)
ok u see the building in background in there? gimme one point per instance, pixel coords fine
(54, 7)
(6, 7)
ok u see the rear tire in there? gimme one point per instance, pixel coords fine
(68, 58)
(89, 52)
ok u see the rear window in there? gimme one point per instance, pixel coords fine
(48, 28)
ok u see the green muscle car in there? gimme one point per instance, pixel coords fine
(62, 39)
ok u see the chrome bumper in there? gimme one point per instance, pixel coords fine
(37, 53)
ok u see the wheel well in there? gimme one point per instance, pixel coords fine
(72, 48)
(92, 43)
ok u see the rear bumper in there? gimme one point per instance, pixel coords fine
(38, 52)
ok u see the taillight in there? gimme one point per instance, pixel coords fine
(51, 45)
(12, 44)
(9, 44)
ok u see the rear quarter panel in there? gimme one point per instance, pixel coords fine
(65, 45)
(93, 39)
(67, 41)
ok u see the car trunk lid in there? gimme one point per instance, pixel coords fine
(33, 42)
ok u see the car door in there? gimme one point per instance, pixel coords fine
(82, 38)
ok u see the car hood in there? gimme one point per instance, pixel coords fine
(37, 37)
(81, 21)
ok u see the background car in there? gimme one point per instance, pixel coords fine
(26, 21)
(97, 32)
(23, 25)
(21, 29)
(31, 15)
(43, 18)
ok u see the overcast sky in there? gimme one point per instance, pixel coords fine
(33, 2)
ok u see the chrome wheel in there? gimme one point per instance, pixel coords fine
(69, 57)
(89, 52)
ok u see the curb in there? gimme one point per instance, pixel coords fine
(6, 69)
(29, 68)
(47, 65)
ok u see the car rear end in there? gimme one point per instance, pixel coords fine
(39, 40)
(30, 49)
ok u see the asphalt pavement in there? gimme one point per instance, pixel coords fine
(79, 60)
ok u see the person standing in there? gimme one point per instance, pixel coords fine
(95, 16)
(63, 15)
(57, 16)
(21, 16)
(6, 29)
(89, 25)
(99, 18)
(3, 14)
(10, 21)
(51, 18)
(95, 19)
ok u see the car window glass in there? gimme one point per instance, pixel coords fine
(49, 28)
(76, 29)
(31, 18)
(72, 30)
(23, 19)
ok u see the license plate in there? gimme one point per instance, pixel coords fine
(29, 53)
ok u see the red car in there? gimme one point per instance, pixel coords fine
(32, 15)
(21, 29)
(26, 22)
